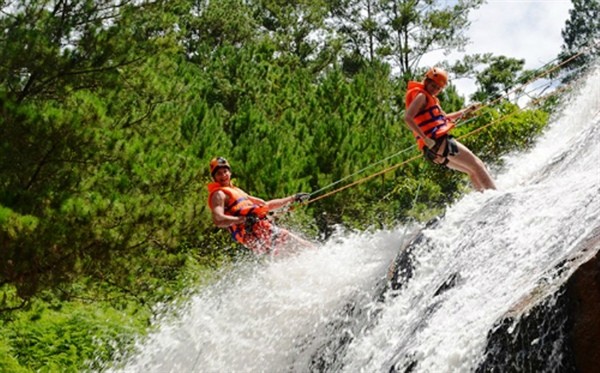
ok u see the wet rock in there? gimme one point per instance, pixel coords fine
(556, 328)
(450, 282)
(584, 292)
(353, 319)
(401, 269)
(360, 315)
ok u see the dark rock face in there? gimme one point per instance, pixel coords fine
(360, 315)
(534, 343)
(584, 291)
(556, 328)
(353, 319)
(401, 269)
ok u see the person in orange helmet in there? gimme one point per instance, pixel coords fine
(246, 217)
(431, 127)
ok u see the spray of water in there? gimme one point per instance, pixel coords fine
(266, 316)
(498, 244)
(320, 311)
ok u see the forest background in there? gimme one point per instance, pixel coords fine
(110, 112)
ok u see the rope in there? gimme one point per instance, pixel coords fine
(362, 180)
(546, 72)
(362, 170)
(359, 181)
(386, 170)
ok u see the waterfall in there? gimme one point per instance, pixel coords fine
(329, 309)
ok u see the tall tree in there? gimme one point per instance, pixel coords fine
(417, 27)
(360, 30)
(89, 121)
(298, 30)
(210, 25)
(498, 78)
(582, 30)
(399, 32)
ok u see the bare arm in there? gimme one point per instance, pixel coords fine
(280, 202)
(274, 203)
(257, 201)
(218, 212)
(461, 113)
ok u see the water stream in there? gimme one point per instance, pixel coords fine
(322, 310)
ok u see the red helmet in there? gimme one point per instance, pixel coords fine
(217, 163)
(439, 76)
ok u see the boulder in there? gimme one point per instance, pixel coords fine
(556, 328)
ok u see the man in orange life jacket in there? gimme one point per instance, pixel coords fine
(246, 216)
(431, 127)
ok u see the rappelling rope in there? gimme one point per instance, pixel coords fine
(539, 76)
(386, 170)
(507, 94)
(363, 170)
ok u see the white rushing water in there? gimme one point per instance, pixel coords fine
(285, 315)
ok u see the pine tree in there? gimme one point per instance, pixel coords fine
(498, 78)
(582, 30)
(400, 32)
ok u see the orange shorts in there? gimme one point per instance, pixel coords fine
(265, 238)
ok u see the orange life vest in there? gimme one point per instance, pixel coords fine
(432, 119)
(238, 204)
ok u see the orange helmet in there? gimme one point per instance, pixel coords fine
(439, 76)
(217, 163)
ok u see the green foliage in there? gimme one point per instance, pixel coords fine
(13, 225)
(65, 337)
(111, 118)
(93, 164)
(88, 325)
(516, 130)
(298, 31)
(498, 78)
(8, 362)
(581, 34)
(401, 32)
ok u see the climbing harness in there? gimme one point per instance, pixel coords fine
(450, 149)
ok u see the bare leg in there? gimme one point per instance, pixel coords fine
(467, 162)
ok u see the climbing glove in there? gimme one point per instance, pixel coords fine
(301, 197)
